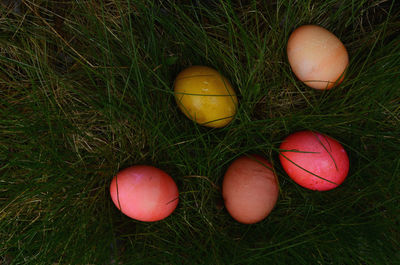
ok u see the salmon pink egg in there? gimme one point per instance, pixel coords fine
(250, 189)
(314, 161)
(317, 57)
(144, 193)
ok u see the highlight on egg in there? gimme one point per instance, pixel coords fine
(250, 189)
(144, 193)
(205, 96)
(314, 161)
(317, 57)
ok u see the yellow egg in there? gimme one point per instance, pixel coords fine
(317, 57)
(205, 96)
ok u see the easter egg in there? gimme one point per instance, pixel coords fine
(144, 193)
(314, 160)
(250, 189)
(317, 57)
(205, 96)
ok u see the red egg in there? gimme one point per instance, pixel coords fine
(250, 189)
(144, 193)
(314, 161)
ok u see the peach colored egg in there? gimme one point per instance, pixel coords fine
(144, 193)
(250, 189)
(317, 57)
(314, 161)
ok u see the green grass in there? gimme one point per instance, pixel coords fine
(86, 90)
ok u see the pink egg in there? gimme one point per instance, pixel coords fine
(250, 189)
(314, 161)
(144, 193)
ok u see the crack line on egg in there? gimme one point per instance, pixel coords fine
(308, 171)
(334, 162)
(326, 139)
(298, 151)
(116, 184)
(172, 200)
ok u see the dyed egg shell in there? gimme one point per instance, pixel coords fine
(317, 57)
(144, 193)
(318, 154)
(205, 96)
(250, 189)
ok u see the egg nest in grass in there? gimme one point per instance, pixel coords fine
(205, 96)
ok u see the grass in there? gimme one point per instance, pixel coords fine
(86, 90)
